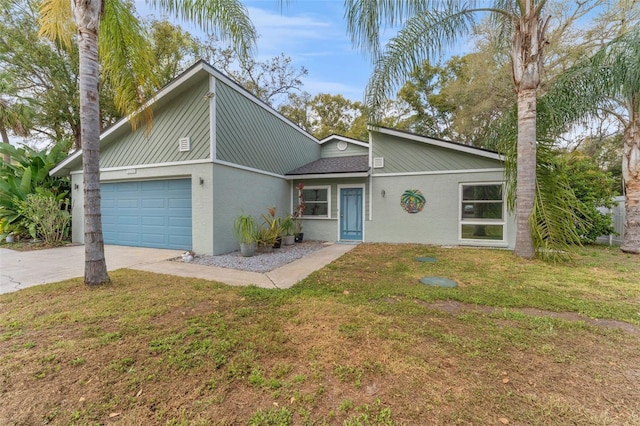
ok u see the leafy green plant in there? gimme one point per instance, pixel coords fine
(270, 229)
(244, 229)
(45, 216)
(288, 226)
(29, 169)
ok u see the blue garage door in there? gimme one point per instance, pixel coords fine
(147, 214)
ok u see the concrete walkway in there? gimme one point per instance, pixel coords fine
(22, 269)
(284, 277)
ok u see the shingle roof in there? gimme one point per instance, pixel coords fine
(350, 164)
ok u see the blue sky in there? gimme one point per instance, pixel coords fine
(313, 33)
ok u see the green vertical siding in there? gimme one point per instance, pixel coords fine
(405, 156)
(252, 136)
(330, 149)
(186, 115)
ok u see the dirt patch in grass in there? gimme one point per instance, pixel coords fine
(454, 307)
(360, 342)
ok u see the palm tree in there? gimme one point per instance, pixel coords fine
(15, 113)
(124, 62)
(428, 27)
(607, 83)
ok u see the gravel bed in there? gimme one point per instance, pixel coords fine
(260, 262)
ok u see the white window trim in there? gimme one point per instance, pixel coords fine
(462, 221)
(328, 188)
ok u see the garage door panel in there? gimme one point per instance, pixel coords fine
(127, 237)
(180, 222)
(155, 203)
(178, 241)
(155, 220)
(148, 213)
(153, 238)
(179, 203)
(123, 220)
(107, 202)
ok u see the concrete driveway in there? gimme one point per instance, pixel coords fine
(21, 269)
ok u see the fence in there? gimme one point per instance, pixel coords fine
(618, 223)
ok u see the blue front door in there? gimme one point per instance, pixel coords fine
(351, 214)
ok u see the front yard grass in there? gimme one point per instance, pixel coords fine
(360, 342)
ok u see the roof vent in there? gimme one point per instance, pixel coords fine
(184, 144)
(378, 162)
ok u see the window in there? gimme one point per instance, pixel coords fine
(317, 201)
(482, 212)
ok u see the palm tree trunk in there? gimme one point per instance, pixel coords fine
(5, 138)
(526, 172)
(631, 176)
(87, 17)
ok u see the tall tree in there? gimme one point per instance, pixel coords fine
(271, 81)
(428, 28)
(125, 65)
(610, 83)
(15, 113)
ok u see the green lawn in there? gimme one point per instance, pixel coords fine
(360, 342)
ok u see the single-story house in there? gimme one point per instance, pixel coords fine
(215, 151)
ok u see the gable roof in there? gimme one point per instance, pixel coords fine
(198, 70)
(334, 165)
(481, 152)
(335, 137)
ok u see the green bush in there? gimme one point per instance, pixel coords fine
(45, 216)
(28, 171)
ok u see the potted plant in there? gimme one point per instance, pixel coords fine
(297, 215)
(288, 227)
(270, 229)
(245, 228)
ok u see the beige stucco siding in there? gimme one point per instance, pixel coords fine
(183, 116)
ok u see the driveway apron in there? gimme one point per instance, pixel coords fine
(22, 269)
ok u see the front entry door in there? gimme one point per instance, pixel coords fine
(351, 214)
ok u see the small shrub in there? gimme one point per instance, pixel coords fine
(46, 217)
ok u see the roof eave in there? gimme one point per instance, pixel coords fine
(328, 175)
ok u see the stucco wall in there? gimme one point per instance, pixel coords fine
(237, 191)
(438, 222)
(201, 196)
(326, 229)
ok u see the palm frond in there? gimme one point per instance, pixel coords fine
(56, 21)
(423, 37)
(555, 223)
(229, 18)
(126, 60)
(367, 19)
